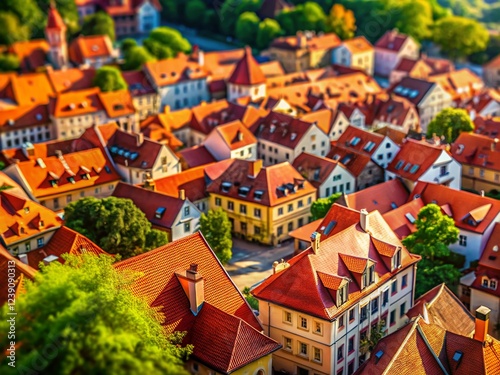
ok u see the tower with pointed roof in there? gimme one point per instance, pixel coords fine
(55, 33)
(247, 79)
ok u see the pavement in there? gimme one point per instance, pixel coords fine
(252, 263)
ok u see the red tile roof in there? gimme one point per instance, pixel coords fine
(312, 42)
(196, 156)
(117, 103)
(90, 47)
(192, 181)
(304, 232)
(487, 126)
(31, 53)
(23, 117)
(383, 197)
(22, 218)
(149, 201)
(22, 272)
(489, 264)
(54, 19)
(138, 83)
(368, 142)
(414, 159)
(308, 294)
(395, 135)
(392, 41)
(277, 183)
(353, 160)
(414, 89)
(308, 166)
(477, 150)
(336, 220)
(235, 135)
(172, 71)
(225, 333)
(64, 241)
(400, 219)
(71, 79)
(247, 71)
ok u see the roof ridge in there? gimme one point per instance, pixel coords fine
(400, 349)
(436, 358)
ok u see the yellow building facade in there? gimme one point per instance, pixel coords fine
(480, 178)
(262, 366)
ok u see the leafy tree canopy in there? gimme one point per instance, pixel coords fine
(247, 27)
(11, 30)
(450, 122)
(165, 42)
(135, 57)
(308, 16)
(28, 15)
(231, 10)
(115, 224)
(127, 44)
(414, 18)
(193, 13)
(92, 325)
(341, 21)
(216, 229)
(321, 206)
(9, 63)
(109, 78)
(99, 23)
(268, 31)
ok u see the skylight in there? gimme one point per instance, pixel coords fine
(258, 194)
(355, 141)
(243, 191)
(159, 212)
(369, 146)
(329, 227)
(414, 168)
(400, 164)
(410, 217)
(226, 186)
(457, 356)
(407, 167)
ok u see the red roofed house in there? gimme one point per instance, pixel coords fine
(489, 126)
(175, 215)
(92, 51)
(491, 72)
(232, 140)
(356, 53)
(325, 300)
(226, 336)
(55, 181)
(421, 161)
(32, 54)
(146, 99)
(264, 204)
(485, 103)
(391, 48)
(332, 121)
(326, 175)
(422, 68)
(247, 79)
(480, 159)
(283, 138)
(25, 225)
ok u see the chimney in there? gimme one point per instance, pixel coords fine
(363, 219)
(482, 193)
(494, 144)
(23, 258)
(201, 58)
(315, 242)
(140, 138)
(482, 320)
(182, 194)
(150, 184)
(254, 168)
(280, 266)
(196, 288)
(301, 39)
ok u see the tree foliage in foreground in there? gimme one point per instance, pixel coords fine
(99, 23)
(435, 232)
(450, 122)
(81, 318)
(321, 206)
(216, 229)
(109, 78)
(115, 224)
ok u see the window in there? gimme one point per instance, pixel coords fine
(350, 368)
(493, 284)
(300, 204)
(69, 198)
(303, 349)
(374, 306)
(392, 318)
(342, 295)
(351, 315)
(243, 209)
(27, 246)
(290, 207)
(340, 371)
(340, 353)
(290, 226)
(187, 227)
(186, 211)
(317, 355)
(371, 274)
(39, 242)
(280, 211)
(471, 170)
(256, 231)
(485, 282)
(341, 322)
(396, 259)
(318, 328)
(347, 186)
(350, 345)
(337, 177)
(287, 344)
(287, 317)
(443, 171)
(481, 172)
(280, 231)
(404, 281)
(230, 205)
(462, 240)
(256, 212)
(385, 297)
(402, 309)
(394, 287)
(56, 202)
(363, 314)
(217, 202)
(302, 322)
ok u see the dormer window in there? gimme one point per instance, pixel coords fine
(493, 284)
(371, 274)
(396, 260)
(486, 282)
(355, 141)
(71, 179)
(369, 146)
(342, 294)
(226, 186)
(53, 183)
(26, 210)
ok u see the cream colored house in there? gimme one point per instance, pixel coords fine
(391, 48)
(491, 72)
(356, 53)
(230, 141)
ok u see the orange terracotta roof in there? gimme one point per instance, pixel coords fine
(90, 47)
(192, 181)
(402, 219)
(172, 71)
(38, 150)
(358, 44)
(235, 135)
(71, 79)
(22, 272)
(304, 232)
(311, 41)
(54, 19)
(392, 40)
(314, 168)
(221, 64)
(160, 127)
(159, 285)
(76, 103)
(308, 294)
(269, 186)
(272, 68)
(196, 156)
(24, 117)
(117, 103)
(31, 88)
(31, 53)
(382, 197)
(64, 241)
(324, 118)
(477, 150)
(7, 183)
(22, 218)
(86, 168)
(353, 160)
(459, 84)
(414, 159)
(395, 135)
(247, 71)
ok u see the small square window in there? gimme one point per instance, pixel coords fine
(287, 316)
(404, 281)
(317, 355)
(303, 349)
(287, 343)
(341, 322)
(318, 328)
(351, 315)
(303, 322)
(340, 353)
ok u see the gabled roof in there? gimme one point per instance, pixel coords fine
(172, 71)
(22, 117)
(160, 127)
(22, 272)
(353, 160)
(196, 156)
(64, 241)
(487, 126)
(477, 150)
(117, 103)
(225, 333)
(71, 79)
(414, 159)
(90, 47)
(235, 135)
(192, 181)
(336, 220)
(150, 201)
(402, 219)
(396, 136)
(363, 141)
(459, 84)
(392, 41)
(269, 186)
(324, 118)
(314, 168)
(382, 197)
(489, 265)
(358, 44)
(138, 83)
(76, 103)
(247, 72)
(31, 53)
(26, 89)
(461, 203)
(54, 19)
(412, 89)
(299, 286)
(23, 218)
(441, 307)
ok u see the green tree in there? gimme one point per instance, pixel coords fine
(127, 44)
(136, 57)
(450, 122)
(170, 10)
(460, 37)
(304, 17)
(68, 11)
(246, 28)
(216, 229)
(165, 42)
(11, 30)
(376, 333)
(115, 224)
(321, 206)
(109, 78)
(27, 13)
(414, 17)
(252, 301)
(99, 23)
(268, 31)
(93, 325)
(231, 10)
(193, 13)
(9, 63)
(435, 232)
(341, 21)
